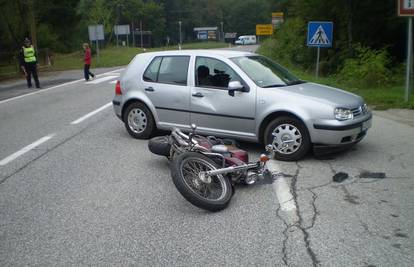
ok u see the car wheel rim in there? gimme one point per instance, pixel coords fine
(190, 169)
(137, 120)
(287, 139)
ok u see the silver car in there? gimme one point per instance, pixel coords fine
(238, 95)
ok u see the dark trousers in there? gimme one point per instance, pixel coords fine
(87, 72)
(31, 69)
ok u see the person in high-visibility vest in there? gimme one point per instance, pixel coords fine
(28, 63)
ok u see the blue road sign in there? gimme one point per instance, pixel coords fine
(320, 33)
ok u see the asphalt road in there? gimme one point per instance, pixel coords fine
(80, 191)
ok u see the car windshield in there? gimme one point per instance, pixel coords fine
(264, 72)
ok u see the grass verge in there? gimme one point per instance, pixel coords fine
(118, 56)
(108, 57)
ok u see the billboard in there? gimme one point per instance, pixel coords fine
(121, 29)
(96, 32)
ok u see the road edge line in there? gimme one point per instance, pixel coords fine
(54, 87)
(25, 149)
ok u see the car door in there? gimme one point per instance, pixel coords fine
(166, 85)
(212, 108)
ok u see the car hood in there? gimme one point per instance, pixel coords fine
(327, 94)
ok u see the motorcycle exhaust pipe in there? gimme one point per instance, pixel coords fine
(230, 169)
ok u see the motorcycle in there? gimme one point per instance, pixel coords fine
(205, 169)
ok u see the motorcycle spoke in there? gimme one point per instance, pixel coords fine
(214, 189)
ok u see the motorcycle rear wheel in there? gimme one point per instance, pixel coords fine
(213, 196)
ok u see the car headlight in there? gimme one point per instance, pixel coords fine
(365, 108)
(343, 114)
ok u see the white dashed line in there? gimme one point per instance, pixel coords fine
(106, 78)
(113, 82)
(282, 189)
(25, 150)
(91, 113)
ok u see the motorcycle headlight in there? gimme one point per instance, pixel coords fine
(343, 114)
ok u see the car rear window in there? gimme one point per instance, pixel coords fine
(150, 75)
(168, 69)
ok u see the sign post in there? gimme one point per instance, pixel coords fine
(406, 9)
(96, 33)
(320, 34)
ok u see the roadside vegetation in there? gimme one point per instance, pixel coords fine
(119, 56)
(108, 57)
(374, 73)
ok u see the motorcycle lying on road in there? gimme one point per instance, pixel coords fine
(205, 169)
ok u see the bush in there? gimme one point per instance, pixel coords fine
(369, 67)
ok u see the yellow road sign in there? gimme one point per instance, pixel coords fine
(277, 14)
(264, 29)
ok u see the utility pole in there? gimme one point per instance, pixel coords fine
(222, 32)
(133, 35)
(140, 26)
(32, 19)
(179, 24)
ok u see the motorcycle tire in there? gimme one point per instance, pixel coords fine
(160, 145)
(193, 189)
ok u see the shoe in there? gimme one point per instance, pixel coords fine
(92, 78)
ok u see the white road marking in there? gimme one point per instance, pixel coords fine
(106, 78)
(113, 82)
(282, 189)
(56, 86)
(91, 113)
(25, 150)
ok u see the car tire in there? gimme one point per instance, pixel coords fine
(291, 140)
(139, 121)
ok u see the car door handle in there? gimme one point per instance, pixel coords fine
(198, 94)
(149, 89)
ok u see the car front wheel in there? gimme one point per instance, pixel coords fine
(138, 120)
(288, 137)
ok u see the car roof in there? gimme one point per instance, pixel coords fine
(203, 52)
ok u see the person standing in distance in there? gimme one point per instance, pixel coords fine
(87, 59)
(28, 63)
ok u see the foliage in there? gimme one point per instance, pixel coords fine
(369, 67)
(288, 45)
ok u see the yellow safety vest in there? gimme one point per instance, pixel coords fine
(29, 54)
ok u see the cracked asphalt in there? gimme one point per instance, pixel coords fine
(92, 195)
(364, 220)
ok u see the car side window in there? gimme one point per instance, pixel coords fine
(174, 70)
(214, 73)
(151, 73)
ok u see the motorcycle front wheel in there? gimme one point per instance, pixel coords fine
(212, 195)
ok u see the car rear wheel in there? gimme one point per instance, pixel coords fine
(288, 137)
(138, 120)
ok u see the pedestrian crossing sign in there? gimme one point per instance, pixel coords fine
(320, 33)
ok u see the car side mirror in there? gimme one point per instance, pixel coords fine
(235, 86)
